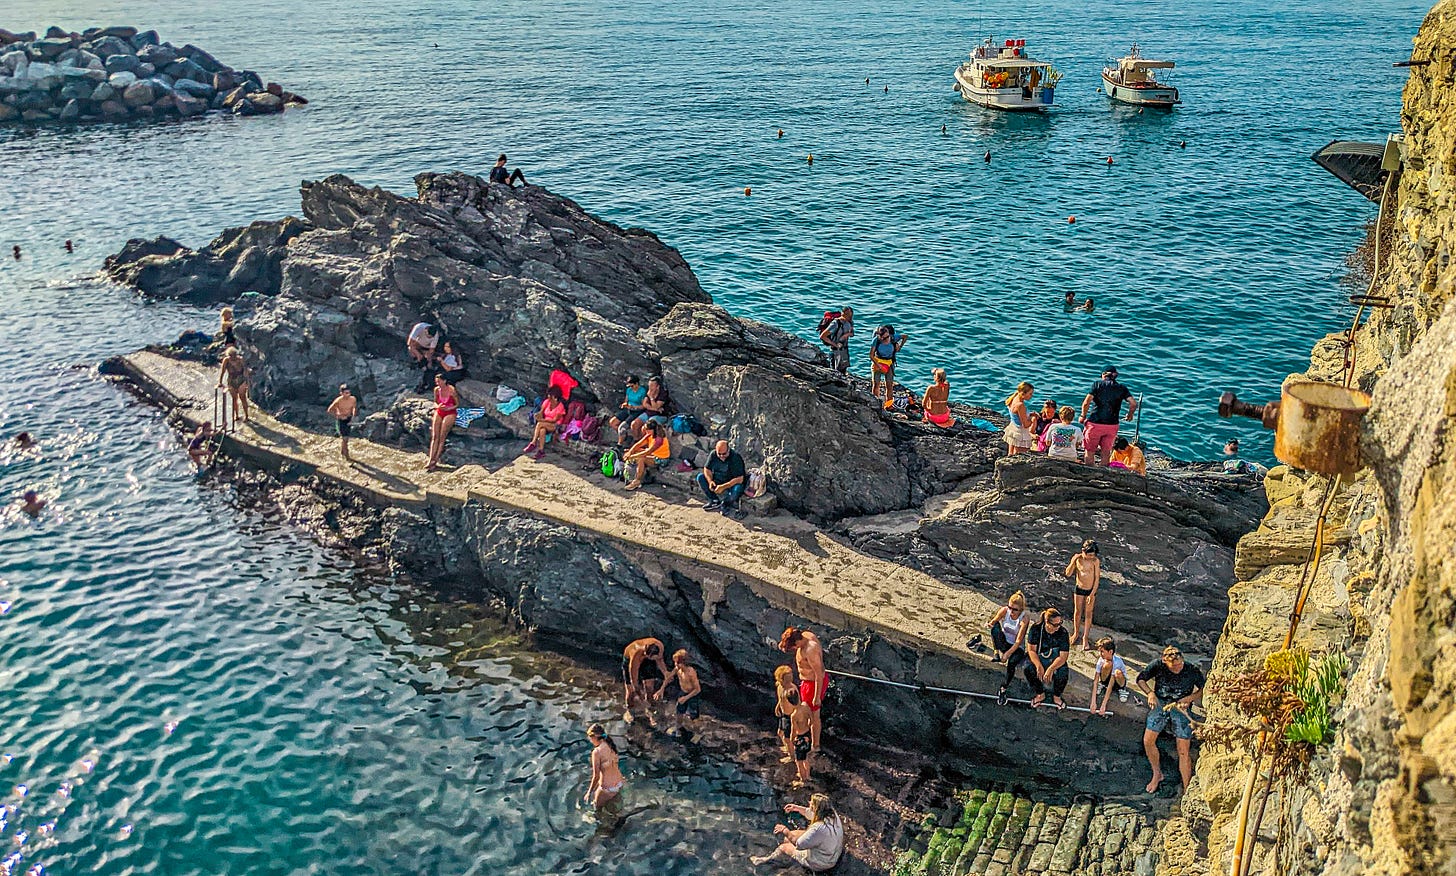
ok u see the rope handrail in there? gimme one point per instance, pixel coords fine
(947, 690)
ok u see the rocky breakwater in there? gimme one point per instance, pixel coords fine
(524, 281)
(118, 73)
(1381, 797)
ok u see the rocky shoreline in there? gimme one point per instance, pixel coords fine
(110, 74)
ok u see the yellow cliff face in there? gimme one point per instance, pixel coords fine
(1382, 800)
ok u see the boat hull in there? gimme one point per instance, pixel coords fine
(1010, 99)
(1157, 95)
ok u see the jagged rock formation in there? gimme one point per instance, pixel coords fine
(523, 282)
(118, 73)
(1382, 798)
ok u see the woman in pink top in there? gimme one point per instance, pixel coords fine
(550, 418)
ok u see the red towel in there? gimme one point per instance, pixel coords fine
(562, 381)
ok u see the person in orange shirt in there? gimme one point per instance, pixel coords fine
(649, 452)
(1129, 456)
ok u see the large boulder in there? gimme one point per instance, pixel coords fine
(187, 105)
(140, 93)
(188, 69)
(51, 47)
(204, 60)
(123, 80)
(122, 64)
(158, 55)
(108, 46)
(239, 260)
(200, 90)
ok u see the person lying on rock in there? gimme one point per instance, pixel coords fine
(550, 417)
(1048, 648)
(650, 451)
(1176, 686)
(689, 688)
(421, 344)
(498, 174)
(723, 479)
(643, 672)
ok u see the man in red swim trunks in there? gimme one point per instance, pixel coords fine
(813, 680)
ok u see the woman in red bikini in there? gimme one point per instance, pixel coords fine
(447, 402)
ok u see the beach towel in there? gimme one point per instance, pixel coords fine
(510, 407)
(465, 416)
(562, 381)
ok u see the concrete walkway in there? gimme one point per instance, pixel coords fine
(802, 568)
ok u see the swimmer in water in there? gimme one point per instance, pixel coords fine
(1070, 300)
(641, 679)
(606, 775)
(689, 689)
(23, 441)
(199, 449)
(31, 503)
(1087, 305)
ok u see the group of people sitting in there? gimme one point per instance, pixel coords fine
(1057, 432)
(434, 356)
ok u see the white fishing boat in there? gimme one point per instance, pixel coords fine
(1132, 80)
(1004, 77)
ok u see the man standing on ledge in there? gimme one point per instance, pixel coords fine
(722, 480)
(498, 173)
(1105, 402)
(813, 680)
(343, 410)
(1176, 686)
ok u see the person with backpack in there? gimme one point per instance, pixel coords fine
(883, 350)
(835, 330)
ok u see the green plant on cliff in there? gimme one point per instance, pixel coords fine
(1293, 699)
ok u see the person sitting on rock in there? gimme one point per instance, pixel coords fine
(31, 503)
(1110, 674)
(1127, 455)
(818, 847)
(936, 403)
(550, 417)
(656, 407)
(421, 344)
(452, 364)
(199, 449)
(1006, 627)
(643, 671)
(226, 326)
(630, 408)
(1063, 438)
(650, 451)
(723, 479)
(1048, 648)
(1176, 686)
(498, 174)
(1040, 420)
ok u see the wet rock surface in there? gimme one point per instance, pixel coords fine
(118, 73)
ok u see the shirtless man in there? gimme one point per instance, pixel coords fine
(813, 680)
(689, 689)
(32, 504)
(343, 410)
(640, 679)
(1087, 566)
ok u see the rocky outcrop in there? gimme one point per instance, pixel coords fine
(118, 73)
(1382, 798)
(523, 282)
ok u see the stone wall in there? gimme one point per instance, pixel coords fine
(1383, 799)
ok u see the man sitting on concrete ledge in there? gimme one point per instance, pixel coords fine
(722, 479)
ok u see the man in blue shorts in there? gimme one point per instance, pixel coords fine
(1176, 685)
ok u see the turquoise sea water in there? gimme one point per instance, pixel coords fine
(321, 723)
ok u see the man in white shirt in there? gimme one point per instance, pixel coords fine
(421, 344)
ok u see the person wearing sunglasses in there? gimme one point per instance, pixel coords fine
(1176, 686)
(1047, 648)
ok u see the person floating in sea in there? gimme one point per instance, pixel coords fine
(16, 249)
(69, 246)
(1018, 431)
(781, 133)
(818, 847)
(23, 441)
(813, 680)
(1086, 566)
(31, 503)
(643, 671)
(200, 449)
(1099, 411)
(1108, 675)
(936, 402)
(689, 688)
(1176, 686)
(1087, 306)
(1069, 301)
(447, 406)
(342, 409)
(498, 174)
(234, 371)
(606, 775)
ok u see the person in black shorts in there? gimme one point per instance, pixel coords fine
(643, 671)
(1048, 648)
(801, 734)
(342, 409)
(689, 690)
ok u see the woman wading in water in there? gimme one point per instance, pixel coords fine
(606, 776)
(447, 402)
